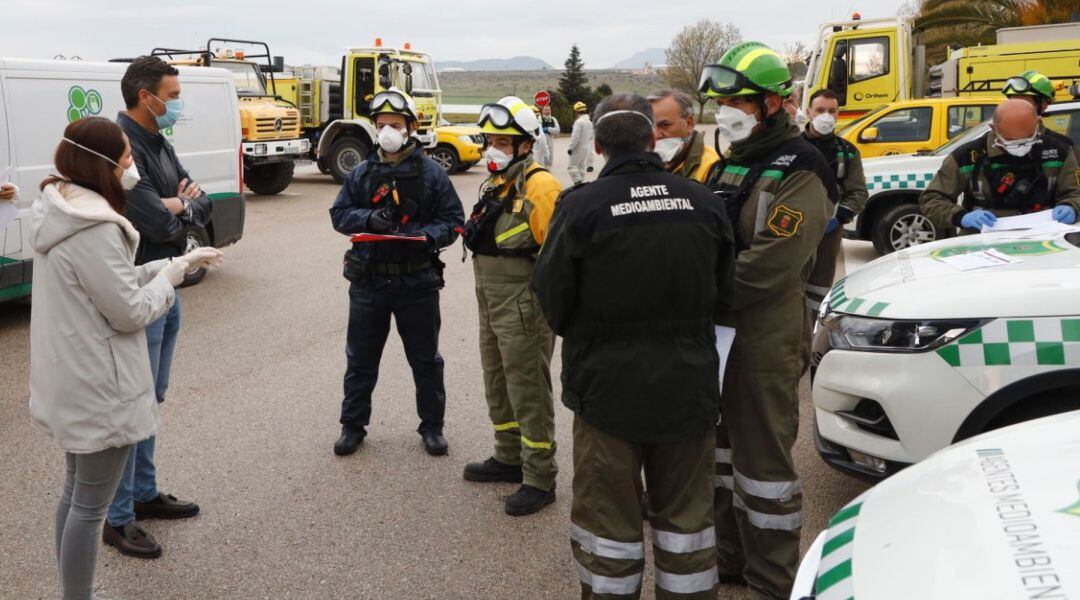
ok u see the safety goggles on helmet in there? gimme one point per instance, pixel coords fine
(500, 117)
(719, 80)
(1019, 85)
(396, 102)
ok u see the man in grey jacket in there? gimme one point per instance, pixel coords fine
(163, 206)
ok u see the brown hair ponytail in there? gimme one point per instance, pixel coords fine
(87, 169)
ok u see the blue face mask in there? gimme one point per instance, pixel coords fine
(173, 110)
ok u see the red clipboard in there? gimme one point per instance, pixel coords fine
(380, 237)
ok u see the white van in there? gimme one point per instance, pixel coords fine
(38, 98)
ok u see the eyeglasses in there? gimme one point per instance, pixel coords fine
(725, 81)
(396, 101)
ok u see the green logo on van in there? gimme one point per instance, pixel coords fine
(82, 103)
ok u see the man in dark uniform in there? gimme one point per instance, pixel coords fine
(634, 271)
(846, 166)
(396, 191)
(779, 195)
(1015, 168)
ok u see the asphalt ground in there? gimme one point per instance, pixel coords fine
(252, 414)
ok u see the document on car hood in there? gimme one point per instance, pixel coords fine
(983, 259)
(1018, 222)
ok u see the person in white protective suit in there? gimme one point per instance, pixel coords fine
(581, 145)
(549, 126)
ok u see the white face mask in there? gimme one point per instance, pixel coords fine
(801, 118)
(1017, 148)
(668, 148)
(128, 179)
(390, 139)
(497, 160)
(824, 123)
(734, 124)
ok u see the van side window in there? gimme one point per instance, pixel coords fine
(962, 118)
(869, 58)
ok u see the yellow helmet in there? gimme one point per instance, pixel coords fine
(579, 107)
(394, 101)
(509, 116)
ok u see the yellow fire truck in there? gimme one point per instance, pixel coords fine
(269, 124)
(873, 62)
(335, 103)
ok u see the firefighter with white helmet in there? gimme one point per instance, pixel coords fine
(581, 144)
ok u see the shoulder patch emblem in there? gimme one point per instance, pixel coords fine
(785, 221)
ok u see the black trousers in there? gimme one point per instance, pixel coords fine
(416, 313)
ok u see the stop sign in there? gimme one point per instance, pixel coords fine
(542, 98)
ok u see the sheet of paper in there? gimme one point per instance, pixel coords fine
(979, 260)
(379, 237)
(1028, 221)
(725, 336)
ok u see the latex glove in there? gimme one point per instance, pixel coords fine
(977, 219)
(1064, 213)
(174, 271)
(831, 226)
(378, 223)
(203, 258)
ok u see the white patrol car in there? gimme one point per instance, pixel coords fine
(912, 354)
(891, 219)
(996, 517)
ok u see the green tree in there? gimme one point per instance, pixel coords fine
(948, 23)
(572, 83)
(694, 47)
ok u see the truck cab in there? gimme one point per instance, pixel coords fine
(336, 104)
(269, 125)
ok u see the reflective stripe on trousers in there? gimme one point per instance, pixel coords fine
(601, 546)
(619, 586)
(693, 583)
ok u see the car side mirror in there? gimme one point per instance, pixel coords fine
(870, 134)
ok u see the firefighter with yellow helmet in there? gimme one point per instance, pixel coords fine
(777, 191)
(505, 231)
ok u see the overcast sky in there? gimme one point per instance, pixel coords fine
(316, 31)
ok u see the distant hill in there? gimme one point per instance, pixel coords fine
(653, 56)
(517, 63)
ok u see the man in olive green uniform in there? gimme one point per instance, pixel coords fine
(680, 146)
(1013, 169)
(779, 195)
(505, 232)
(846, 165)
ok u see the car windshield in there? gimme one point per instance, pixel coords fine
(962, 139)
(866, 116)
(248, 80)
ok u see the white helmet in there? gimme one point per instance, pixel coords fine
(394, 101)
(509, 116)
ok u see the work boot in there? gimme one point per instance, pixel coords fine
(435, 444)
(165, 506)
(528, 500)
(349, 442)
(492, 470)
(131, 540)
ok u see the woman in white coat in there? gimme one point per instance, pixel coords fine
(90, 383)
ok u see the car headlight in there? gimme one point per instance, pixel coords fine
(867, 334)
(477, 139)
(467, 139)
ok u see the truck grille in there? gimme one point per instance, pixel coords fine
(278, 128)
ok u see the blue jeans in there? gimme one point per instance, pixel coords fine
(139, 481)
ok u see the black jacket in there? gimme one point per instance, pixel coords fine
(162, 234)
(635, 268)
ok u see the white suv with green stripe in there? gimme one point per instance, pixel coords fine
(892, 219)
(995, 517)
(912, 354)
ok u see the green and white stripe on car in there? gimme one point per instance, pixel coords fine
(1044, 342)
(835, 580)
(903, 181)
(839, 302)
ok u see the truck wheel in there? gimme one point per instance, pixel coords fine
(902, 226)
(269, 179)
(196, 238)
(345, 155)
(324, 166)
(446, 157)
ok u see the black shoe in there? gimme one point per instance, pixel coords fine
(131, 540)
(528, 500)
(492, 470)
(349, 442)
(165, 506)
(435, 444)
